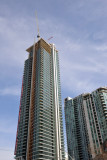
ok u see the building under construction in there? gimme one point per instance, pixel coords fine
(40, 127)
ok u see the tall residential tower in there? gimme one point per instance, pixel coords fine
(40, 126)
(86, 124)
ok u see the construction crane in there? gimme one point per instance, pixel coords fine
(38, 35)
(50, 38)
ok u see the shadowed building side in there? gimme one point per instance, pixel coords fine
(22, 129)
(77, 139)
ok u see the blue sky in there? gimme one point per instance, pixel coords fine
(79, 30)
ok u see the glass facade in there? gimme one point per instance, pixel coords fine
(100, 102)
(42, 106)
(77, 139)
(71, 128)
(86, 116)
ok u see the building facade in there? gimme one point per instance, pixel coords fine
(86, 124)
(40, 127)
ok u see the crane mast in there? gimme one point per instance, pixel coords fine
(38, 35)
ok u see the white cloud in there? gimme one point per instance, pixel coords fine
(7, 126)
(13, 90)
(82, 67)
(7, 138)
(102, 48)
(13, 41)
(6, 154)
(90, 10)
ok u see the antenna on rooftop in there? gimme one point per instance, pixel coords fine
(38, 35)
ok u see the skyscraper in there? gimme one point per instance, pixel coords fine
(86, 124)
(40, 126)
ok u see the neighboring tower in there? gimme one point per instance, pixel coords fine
(77, 140)
(100, 103)
(86, 124)
(40, 126)
(95, 106)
